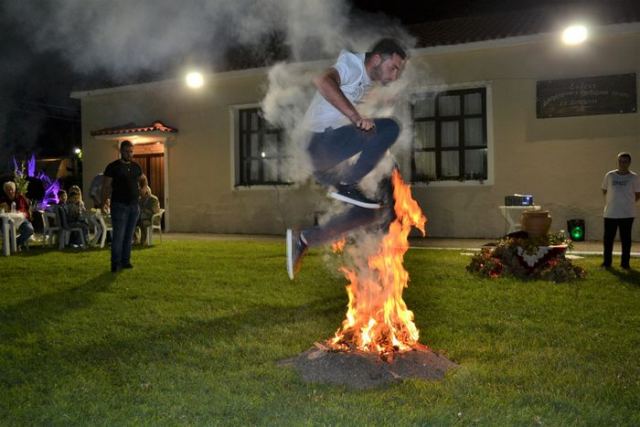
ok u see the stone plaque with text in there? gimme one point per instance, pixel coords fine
(613, 94)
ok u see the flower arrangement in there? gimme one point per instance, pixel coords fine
(525, 257)
(22, 184)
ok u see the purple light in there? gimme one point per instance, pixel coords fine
(51, 192)
(51, 187)
(31, 166)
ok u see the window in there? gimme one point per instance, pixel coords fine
(261, 152)
(450, 136)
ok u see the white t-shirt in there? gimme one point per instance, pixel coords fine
(354, 83)
(621, 194)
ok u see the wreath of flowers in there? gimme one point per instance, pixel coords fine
(512, 257)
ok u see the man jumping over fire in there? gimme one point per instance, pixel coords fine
(338, 132)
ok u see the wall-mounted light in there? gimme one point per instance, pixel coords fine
(194, 80)
(575, 34)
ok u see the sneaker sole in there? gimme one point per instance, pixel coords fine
(355, 202)
(290, 253)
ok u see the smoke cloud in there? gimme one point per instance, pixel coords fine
(121, 39)
(117, 41)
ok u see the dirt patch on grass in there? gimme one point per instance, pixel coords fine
(361, 370)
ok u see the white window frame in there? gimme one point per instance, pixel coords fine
(234, 125)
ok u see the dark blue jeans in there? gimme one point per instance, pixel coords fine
(610, 227)
(330, 148)
(24, 232)
(333, 146)
(124, 218)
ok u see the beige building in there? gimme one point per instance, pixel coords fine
(512, 114)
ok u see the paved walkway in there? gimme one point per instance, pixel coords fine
(593, 247)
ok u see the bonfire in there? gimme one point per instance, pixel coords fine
(378, 320)
(378, 341)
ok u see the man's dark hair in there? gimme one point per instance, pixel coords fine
(625, 154)
(387, 47)
(126, 143)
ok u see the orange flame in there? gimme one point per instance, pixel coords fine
(338, 246)
(378, 319)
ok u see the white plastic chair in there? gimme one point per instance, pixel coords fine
(104, 228)
(156, 224)
(67, 229)
(50, 227)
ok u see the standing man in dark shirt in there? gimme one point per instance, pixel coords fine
(121, 178)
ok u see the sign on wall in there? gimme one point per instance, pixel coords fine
(614, 94)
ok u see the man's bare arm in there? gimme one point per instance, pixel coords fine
(328, 84)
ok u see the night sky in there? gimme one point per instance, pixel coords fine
(38, 117)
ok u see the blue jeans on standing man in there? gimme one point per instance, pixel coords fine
(124, 217)
(333, 146)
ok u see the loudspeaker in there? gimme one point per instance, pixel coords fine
(576, 229)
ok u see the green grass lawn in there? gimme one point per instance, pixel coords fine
(192, 336)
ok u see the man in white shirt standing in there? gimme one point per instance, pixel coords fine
(621, 188)
(339, 132)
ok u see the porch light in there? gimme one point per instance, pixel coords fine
(194, 80)
(574, 35)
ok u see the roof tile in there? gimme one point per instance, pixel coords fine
(129, 128)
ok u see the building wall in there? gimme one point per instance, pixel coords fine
(201, 194)
(561, 161)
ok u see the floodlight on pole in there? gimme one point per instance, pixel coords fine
(575, 34)
(194, 80)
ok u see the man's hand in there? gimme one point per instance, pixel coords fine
(365, 124)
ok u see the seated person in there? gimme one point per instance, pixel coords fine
(8, 198)
(76, 213)
(75, 206)
(94, 217)
(106, 208)
(143, 181)
(62, 197)
(95, 190)
(149, 205)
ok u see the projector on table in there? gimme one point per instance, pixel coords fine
(518, 200)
